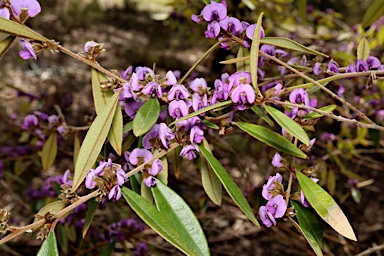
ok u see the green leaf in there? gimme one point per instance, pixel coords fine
(145, 192)
(163, 175)
(302, 9)
(182, 218)
(52, 208)
(94, 141)
(108, 249)
(211, 183)
(314, 115)
(363, 49)
(264, 116)
(17, 29)
(286, 43)
(49, 246)
(309, 221)
(331, 182)
(5, 44)
(49, 152)
(229, 185)
(288, 124)
(243, 65)
(203, 110)
(373, 13)
(210, 125)
(146, 117)
(175, 159)
(254, 54)
(92, 207)
(128, 127)
(155, 219)
(325, 206)
(271, 138)
(135, 183)
(235, 60)
(309, 237)
(63, 238)
(100, 99)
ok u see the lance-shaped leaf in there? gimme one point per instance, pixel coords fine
(49, 151)
(235, 60)
(271, 138)
(309, 237)
(254, 54)
(94, 141)
(62, 237)
(155, 219)
(52, 208)
(163, 175)
(373, 13)
(92, 207)
(229, 185)
(100, 99)
(245, 64)
(314, 115)
(17, 29)
(325, 206)
(286, 43)
(176, 160)
(309, 221)
(288, 124)
(182, 218)
(49, 246)
(146, 117)
(363, 49)
(203, 110)
(5, 44)
(211, 183)
(263, 115)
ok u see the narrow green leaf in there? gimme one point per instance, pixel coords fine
(92, 207)
(211, 183)
(235, 60)
(176, 160)
(145, 192)
(100, 99)
(182, 218)
(254, 54)
(135, 183)
(203, 110)
(71, 232)
(5, 44)
(363, 49)
(49, 152)
(52, 208)
(108, 249)
(163, 175)
(146, 117)
(373, 13)
(325, 206)
(331, 182)
(49, 246)
(17, 29)
(243, 65)
(271, 138)
(264, 116)
(314, 115)
(286, 43)
(309, 237)
(288, 124)
(128, 127)
(94, 141)
(210, 124)
(229, 185)
(302, 9)
(155, 219)
(76, 148)
(309, 221)
(62, 238)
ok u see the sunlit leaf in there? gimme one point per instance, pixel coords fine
(264, 116)
(254, 54)
(146, 117)
(94, 141)
(373, 13)
(243, 65)
(92, 207)
(182, 218)
(146, 192)
(49, 152)
(309, 237)
(163, 175)
(271, 138)
(286, 43)
(314, 115)
(325, 206)
(5, 44)
(363, 49)
(17, 29)
(128, 127)
(229, 185)
(49, 246)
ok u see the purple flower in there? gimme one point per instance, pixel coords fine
(222, 91)
(156, 167)
(196, 18)
(303, 201)
(127, 92)
(231, 25)
(142, 72)
(189, 150)
(152, 87)
(89, 180)
(141, 249)
(178, 91)
(132, 107)
(31, 6)
(4, 12)
(53, 120)
(148, 140)
(333, 67)
(270, 186)
(276, 160)
(197, 135)
(29, 120)
(115, 193)
(199, 85)
(27, 52)
(61, 129)
(150, 181)
(266, 217)
(199, 101)
(139, 156)
(277, 206)
(361, 66)
(214, 11)
(351, 68)
(243, 94)
(317, 68)
(121, 177)
(213, 30)
(89, 45)
(171, 78)
(373, 62)
(165, 134)
(250, 31)
(65, 178)
(270, 50)
(178, 108)
(299, 96)
(240, 77)
(127, 73)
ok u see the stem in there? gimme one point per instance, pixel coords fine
(291, 170)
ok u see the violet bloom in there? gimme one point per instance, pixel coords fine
(270, 186)
(199, 101)
(171, 78)
(277, 206)
(214, 11)
(373, 62)
(317, 68)
(65, 178)
(127, 92)
(150, 181)
(231, 25)
(4, 12)
(178, 108)
(156, 167)
(142, 72)
(333, 67)
(27, 52)
(53, 120)
(89, 45)
(270, 50)
(139, 156)
(115, 192)
(361, 66)
(277, 160)
(165, 135)
(29, 120)
(250, 31)
(242, 94)
(132, 107)
(189, 150)
(213, 30)
(149, 138)
(199, 85)
(222, 91)
(127, 73)
(266, 217)
(89, 180)
(151, 88)
(299, 96)
(351, 68)
(197, 135)
(32, 7)
(240, 77)
(61, 130)
(178, 91)
(121, 177)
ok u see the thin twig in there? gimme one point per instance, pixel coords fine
(371, 250)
